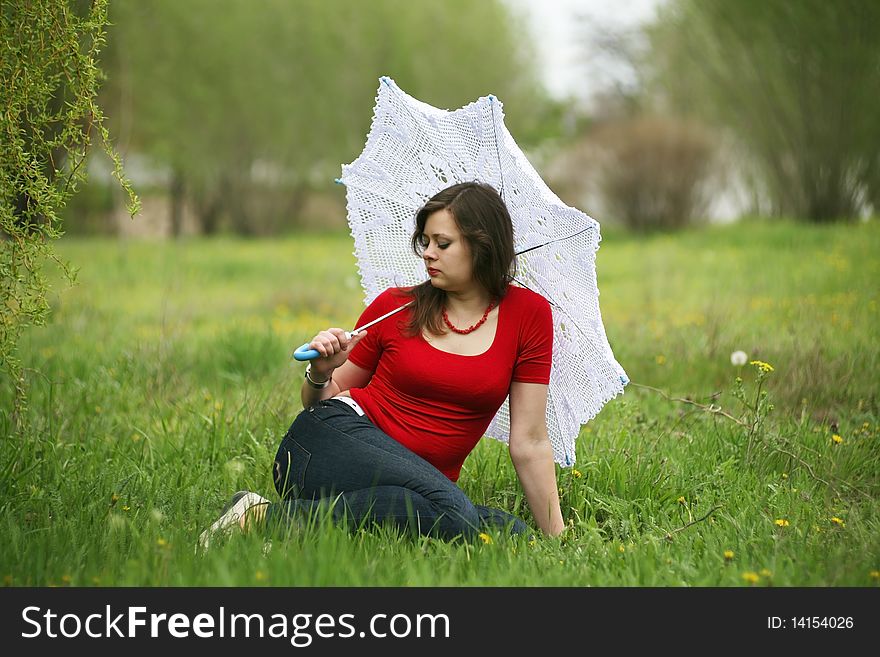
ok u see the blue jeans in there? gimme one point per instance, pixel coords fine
(336, 460)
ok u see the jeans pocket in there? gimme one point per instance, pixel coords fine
(289, 470)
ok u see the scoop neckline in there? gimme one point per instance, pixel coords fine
(488, 349)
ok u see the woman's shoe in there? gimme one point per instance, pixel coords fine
(230, 517)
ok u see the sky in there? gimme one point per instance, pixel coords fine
(558, 27)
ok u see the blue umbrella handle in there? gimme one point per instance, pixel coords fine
(304, 353)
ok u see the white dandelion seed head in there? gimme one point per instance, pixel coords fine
(739, 358)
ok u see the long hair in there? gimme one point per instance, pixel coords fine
(486, 227)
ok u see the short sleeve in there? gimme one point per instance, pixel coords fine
(535, 352)
(368, 351)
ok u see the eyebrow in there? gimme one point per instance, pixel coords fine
(438, 235)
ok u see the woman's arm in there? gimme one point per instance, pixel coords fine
(532, 454)
(333, 363)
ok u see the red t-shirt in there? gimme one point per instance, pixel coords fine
(439, 404)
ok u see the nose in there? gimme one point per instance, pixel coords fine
(429, 254)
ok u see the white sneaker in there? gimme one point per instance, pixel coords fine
(230, 517)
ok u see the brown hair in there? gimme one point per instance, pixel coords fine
(485, 224)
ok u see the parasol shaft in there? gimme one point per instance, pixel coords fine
(379, 319)
(304, 353)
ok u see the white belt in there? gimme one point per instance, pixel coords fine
(351, 402)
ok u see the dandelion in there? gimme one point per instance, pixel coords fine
(781, 522)
(875, 574)
(728, 555)
(661, 359)
(260, 576)
(125, 507)
(761, 365)
(533, 542)
(576, 474)
(621, 549)
(750, 577)
(766, 573)
(486, 539)
(836, 439)
(161, 542)
(681, 500)
(738, 358)
(837, 521)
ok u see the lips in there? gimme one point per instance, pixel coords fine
(433, 272)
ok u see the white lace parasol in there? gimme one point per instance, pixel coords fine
(412, 152)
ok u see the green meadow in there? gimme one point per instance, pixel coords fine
(163, 383)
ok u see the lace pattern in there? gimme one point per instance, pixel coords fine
(413, 151)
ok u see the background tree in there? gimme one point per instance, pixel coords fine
(49, 84)
(251, 105)
(795, 82)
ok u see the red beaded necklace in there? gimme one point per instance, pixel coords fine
(469, 329)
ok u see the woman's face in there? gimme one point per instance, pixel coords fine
(447, 254)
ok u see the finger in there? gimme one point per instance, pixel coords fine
(357, 337)
(331, 341)
(322, 345)
(318, 345)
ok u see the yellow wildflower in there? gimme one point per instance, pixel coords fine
(781, 522)
(661, 359)
(486, 539)
(161, 542)
(785, 475)
(766, 573)
(114, 498)
(728, 555)
(875, 574)
(576, 474)
(125, 507)
(750, 577)
(259, 575)
(681, 500)
(66, 579)
(836, 439)
(837, 521)
(621, 549)
(761, 365)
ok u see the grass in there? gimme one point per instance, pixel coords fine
(163, 384)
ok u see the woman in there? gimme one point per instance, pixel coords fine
(392, 413)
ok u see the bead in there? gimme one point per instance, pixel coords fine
(470, 329)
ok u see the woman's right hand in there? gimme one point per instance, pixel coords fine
(334, 347)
